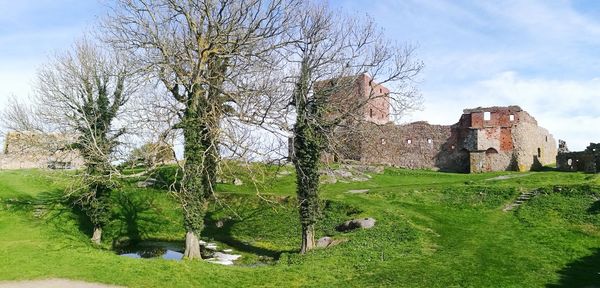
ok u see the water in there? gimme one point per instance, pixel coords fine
(174, 251)
(153, 249)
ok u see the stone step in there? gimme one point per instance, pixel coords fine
(524, 197)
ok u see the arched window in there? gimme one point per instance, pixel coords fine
(491, 151)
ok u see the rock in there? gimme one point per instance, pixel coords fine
(364, 223)
(336, 242)
(326, 172)
(238, 182)
(343, 173)
(146, 183)
(359, 179)
(122, 241)
(328, 180)
(358, 191)
(324, 242)
(284, 173)
(219, 224)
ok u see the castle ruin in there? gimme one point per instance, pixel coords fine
(483, 140)
(29, 150)
(585, 161)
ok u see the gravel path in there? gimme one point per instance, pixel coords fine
(53, 283)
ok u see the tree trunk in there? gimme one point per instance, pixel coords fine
(192, 246)
(306, 159)
(193, 192)
(97, 236)
(308, 239)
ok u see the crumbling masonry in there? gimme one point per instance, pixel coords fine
(483, 140)
(586, 161)
(27, 150)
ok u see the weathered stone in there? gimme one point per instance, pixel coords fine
(28, 149)
(328, 180)
(324, 242)
(360, 191)
(483, 140)
(364, 223)
(343, 173)
(359, 179)
(238, 182)
(586, 161)
(146, 183)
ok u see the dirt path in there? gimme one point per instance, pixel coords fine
(53, 283)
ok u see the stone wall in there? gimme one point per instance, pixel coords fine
(585, 161)
(358, 98)
(483, 140)
(28, 150)
(507, 138)
(415, 145)
(536, 148)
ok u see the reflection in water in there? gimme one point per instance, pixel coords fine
(164, 250)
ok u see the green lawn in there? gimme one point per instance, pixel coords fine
(433, 230)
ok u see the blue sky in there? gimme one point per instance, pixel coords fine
(541, 55)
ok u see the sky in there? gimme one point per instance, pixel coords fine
(541, 55)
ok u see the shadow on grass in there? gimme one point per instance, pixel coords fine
(584, 272)
(135, 216)
(595, 208)
(53, 207)
(224, 234)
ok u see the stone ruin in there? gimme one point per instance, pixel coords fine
(585, 161)
(483, 140)
(29, 150)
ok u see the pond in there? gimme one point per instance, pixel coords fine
(174, 251)
(153, 249)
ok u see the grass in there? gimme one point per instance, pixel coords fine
(433, 230)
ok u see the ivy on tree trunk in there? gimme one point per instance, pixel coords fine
(309, 140)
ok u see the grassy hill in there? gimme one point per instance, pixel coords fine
(433, 230)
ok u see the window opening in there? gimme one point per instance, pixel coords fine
(487, 116)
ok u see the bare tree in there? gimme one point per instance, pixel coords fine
(208, 55)
(20, 116)
(330, 53)
(82, 92)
